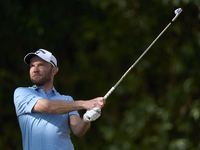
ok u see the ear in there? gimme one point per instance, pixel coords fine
(54, 70)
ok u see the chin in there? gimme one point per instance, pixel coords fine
(37, 83)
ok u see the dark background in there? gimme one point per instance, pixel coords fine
(157, 105)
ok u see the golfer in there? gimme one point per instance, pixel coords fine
(45, 116)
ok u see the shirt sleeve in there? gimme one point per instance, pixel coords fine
(24, 100)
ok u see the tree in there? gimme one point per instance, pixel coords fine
(155, 107)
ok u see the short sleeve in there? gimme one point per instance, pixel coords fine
(24, 100)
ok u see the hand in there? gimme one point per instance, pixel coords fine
(92, 115)
(96, 102)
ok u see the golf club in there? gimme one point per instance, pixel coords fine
(177, 13)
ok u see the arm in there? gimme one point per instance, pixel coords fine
(78, 126)
(63, 107)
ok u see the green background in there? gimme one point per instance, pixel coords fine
(157, 105)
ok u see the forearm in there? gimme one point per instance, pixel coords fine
(82, 128)
(62, 107)
(58, 106)
(78, 125)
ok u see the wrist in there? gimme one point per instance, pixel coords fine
(79, 104)
(83, 104)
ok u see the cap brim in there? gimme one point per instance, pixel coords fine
(28, 57)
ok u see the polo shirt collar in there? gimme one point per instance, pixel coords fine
(37, 88)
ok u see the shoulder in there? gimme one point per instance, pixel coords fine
(23, 89)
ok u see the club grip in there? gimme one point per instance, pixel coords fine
(108, 93)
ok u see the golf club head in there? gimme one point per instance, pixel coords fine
(177, 13)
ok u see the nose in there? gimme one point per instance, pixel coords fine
(35, 69)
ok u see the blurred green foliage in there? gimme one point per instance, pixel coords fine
(156, 107)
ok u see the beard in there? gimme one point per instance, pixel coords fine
(46, 77)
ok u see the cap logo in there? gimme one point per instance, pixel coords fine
(40, 51)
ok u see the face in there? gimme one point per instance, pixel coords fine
(40, 71)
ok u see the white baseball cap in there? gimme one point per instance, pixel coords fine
(43, 54)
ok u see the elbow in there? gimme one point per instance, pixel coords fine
(45, 106)
(49, 108)
(50, 111)
(53, 107)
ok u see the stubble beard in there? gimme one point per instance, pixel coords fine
(45, 79)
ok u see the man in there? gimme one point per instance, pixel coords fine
(46, 117)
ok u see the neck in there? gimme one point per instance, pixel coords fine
(46, 87)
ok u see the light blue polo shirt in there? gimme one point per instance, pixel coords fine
(42, 131)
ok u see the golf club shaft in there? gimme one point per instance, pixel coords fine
(113, 88)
